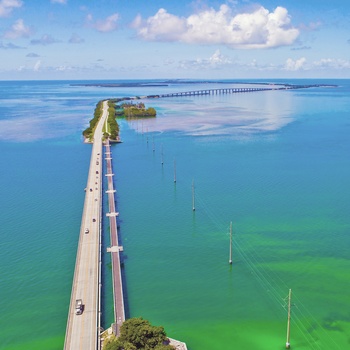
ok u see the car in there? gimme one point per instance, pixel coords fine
(90, 189)
(86, 230)
(79, 307)
(94, 220)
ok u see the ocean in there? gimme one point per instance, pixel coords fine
(274, 163)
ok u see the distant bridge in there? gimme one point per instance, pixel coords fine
(214, 92)
(232, 90)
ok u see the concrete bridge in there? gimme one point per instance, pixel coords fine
(115, 249)
(232, 90)
(215, 91)
(83, 324)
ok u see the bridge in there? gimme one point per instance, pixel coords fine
(215, 91)
(119, 310)
(234, 90)
(84, 324)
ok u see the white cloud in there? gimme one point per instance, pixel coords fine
(217, 59)
(106, 25)
(37, 66)
(256, 29)
(6, 6)
(214, 61)
(332, 63)
(161, 27)
(64, 68)
(18, 30)
(59, 1)
(295, 65)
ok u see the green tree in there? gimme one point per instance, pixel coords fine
(117, 344)
(139, 334)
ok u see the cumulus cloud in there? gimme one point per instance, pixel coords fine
(256, 29)
(76, 39)
(214, 61)
(295, 65)
(59, 1)
(217, 59)
(44, 40)
(332, 63)
(18, 30)
(161, 27)
(106, 25)
(6, 6)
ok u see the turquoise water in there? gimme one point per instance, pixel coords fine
(274, 163)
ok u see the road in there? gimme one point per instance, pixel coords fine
(82, 330)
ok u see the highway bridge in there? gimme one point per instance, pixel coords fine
(235, 90)
(82, 332)
(116, 248)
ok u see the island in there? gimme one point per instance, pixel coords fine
(130, 110)
(127, 110)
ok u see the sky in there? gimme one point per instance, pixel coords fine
(174, 39)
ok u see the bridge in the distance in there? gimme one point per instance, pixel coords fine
(234, 90)
(215, 91)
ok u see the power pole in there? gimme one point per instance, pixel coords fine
(288, 322)
(193, 200)
(230, 260)
(162, 155)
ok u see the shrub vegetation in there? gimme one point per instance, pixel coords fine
(137, 333)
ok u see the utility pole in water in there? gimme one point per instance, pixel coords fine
(193, 203)
(288, 322)
(230, 260)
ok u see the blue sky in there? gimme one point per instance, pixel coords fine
(133, 39)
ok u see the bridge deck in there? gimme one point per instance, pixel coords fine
(119, 311)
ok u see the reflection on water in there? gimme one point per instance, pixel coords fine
(235, 114)
(40, 115)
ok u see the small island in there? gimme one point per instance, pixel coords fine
(127, 110)
(130, 110)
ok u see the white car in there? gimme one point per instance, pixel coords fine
(79, 307)
(86, 230)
